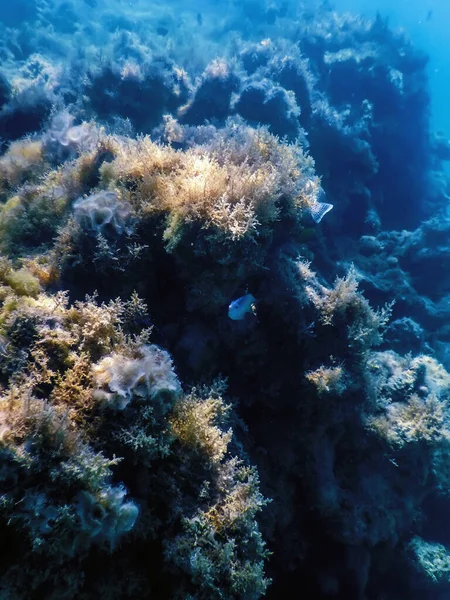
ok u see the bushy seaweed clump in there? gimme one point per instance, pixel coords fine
(101, 451)
(112, 210)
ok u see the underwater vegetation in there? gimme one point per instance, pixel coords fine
(224, 303)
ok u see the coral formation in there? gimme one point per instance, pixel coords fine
(65, 140)
(103, 214)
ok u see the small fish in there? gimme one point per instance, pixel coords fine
(199, 19)
(240, 307)
(317, 208)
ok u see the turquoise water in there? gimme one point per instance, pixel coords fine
(426, 23)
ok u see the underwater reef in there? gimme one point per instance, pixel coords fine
(224, 304)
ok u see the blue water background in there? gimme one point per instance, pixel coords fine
(427, 24)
